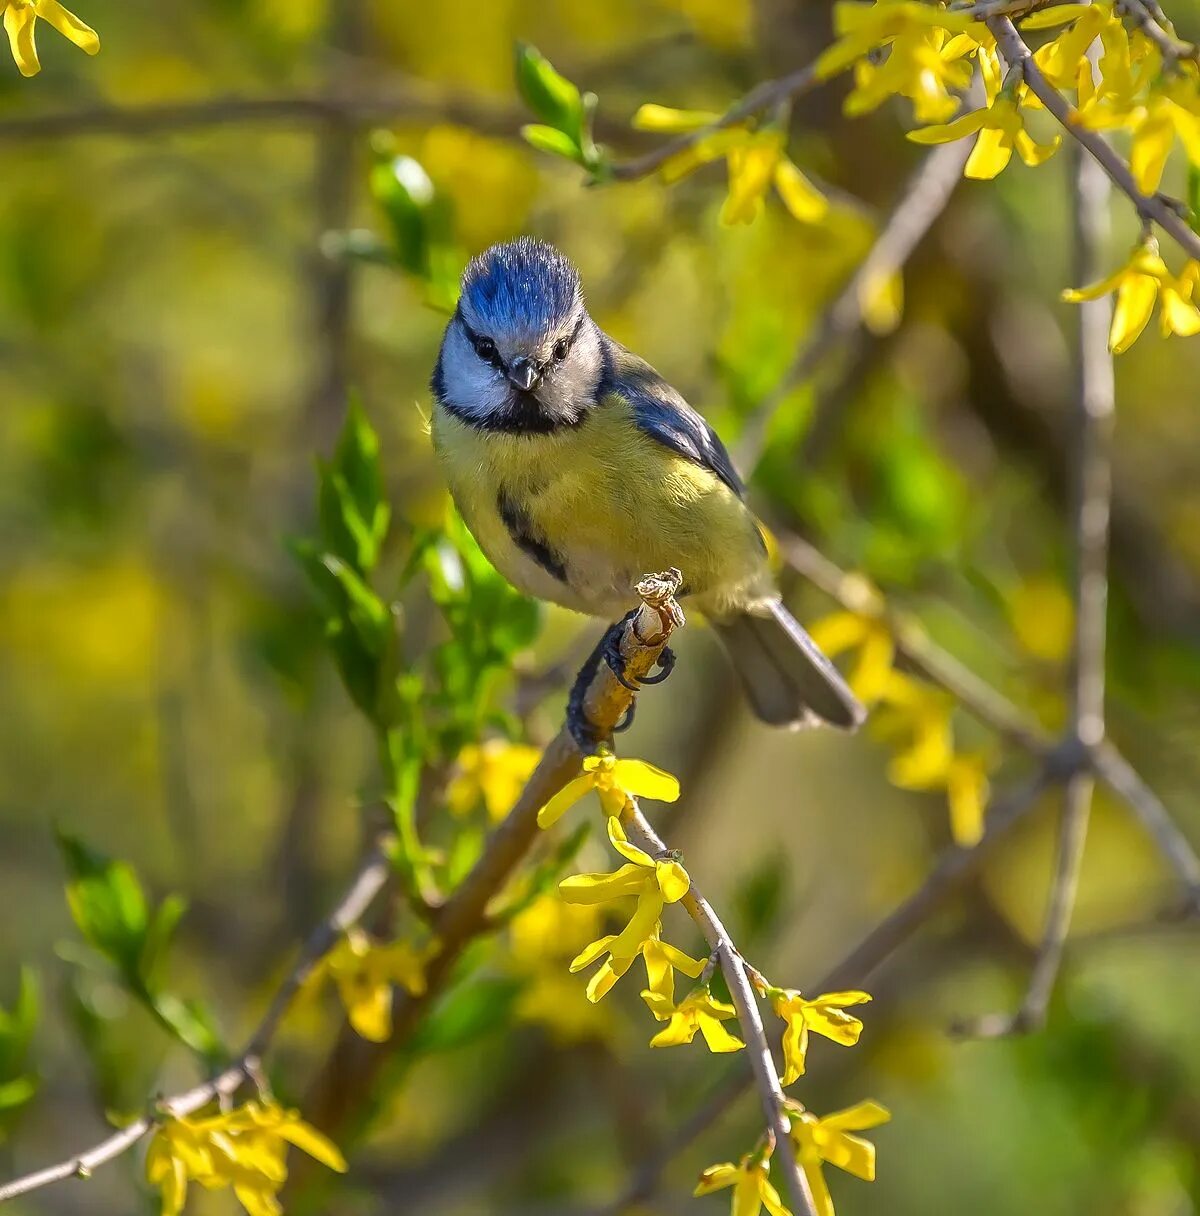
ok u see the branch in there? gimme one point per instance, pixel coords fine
(992, 708)
(952, 870)
(764, 96)
(371, 877)
(762, 1063)
(1150, 208)
(354, 1064)
(1149, 19)
(923, 199)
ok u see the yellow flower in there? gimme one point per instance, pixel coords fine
(366, 972)
(661, 960)
(494, 773)
(699, 1011)
(551, 999)
(20, 23)
(244, 1148)
(654, 883)
(862, 27)
(831, 1140)
(967, 789)
(1155, 128)
(1060, 58)
(925, 65)
(871, 636)
(824, 1015)
(1000, 128)
(1042, 618)
(615, 782)
(751, 1182)
(757, 162)
(1142, 281)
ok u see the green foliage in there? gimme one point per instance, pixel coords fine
(18, 1084)
(420, 224)
(110, 909)
(566, 113)
(468, 1012)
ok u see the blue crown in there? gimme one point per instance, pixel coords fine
(523, 285)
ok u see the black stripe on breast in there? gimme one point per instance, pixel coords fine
(520, 528)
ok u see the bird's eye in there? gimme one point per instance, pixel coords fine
(485, 348)
(561, 347)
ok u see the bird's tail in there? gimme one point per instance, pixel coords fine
(787, 679)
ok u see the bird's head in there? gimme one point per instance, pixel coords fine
(520, 352)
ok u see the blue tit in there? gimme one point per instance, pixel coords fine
(579, 469)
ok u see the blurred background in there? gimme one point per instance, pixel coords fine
(180, 325)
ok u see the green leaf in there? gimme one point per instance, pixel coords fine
(159, 935)
(553, 141)
(107, 903)
(758, 899)
(553, 98)
(191, 1023)
(16, 1093)
(17, 1027)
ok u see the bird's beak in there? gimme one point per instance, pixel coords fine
(523, 374)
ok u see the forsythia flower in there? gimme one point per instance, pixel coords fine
(539, 938)
(615, 781)
(1142, 281)
(661, 960)
(366, 972)
(655, 883)
(868, 634)
(929, 762)
(493, 773)
(824, 1015)
(698, 1011)
(751, 1182)
(830, 1140)
(1059, 59)
(1155, 128)
(20, 23)
(754, 165)
(925, 65)
(1001, 129)
(755, 161)
(861, 27)
(244, 1148)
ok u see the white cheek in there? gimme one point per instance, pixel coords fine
(472, 386)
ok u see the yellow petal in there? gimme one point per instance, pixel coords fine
(562, 802)
(990, 156)
(590, 953)
(860, 1117)
(645, 780)
(800, 196)
(318, 1146)
(948, 132)
(1061, 15)
(881, 302)
(673, 880)
(620, 842)
(601, 984)
(19, 24)
(679, 1031)
(666, 121)
(1178, 315)
(691, 967)
(1152, 143)
(642, 923)
(1033, 153)
(1094, 291)
(600, 888)
(795, 1049)
(716, 1178)
(718, 1039)
(869, 677)
(1135, 304)
(67, 24)
(840, 631)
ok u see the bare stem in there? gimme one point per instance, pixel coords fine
(1150, 208)
(762, 1063)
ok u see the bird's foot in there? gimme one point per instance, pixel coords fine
(608, 651)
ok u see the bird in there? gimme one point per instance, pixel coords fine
(578, 469)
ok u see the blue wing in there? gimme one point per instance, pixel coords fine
(666, 417)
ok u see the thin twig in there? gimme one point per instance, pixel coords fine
(1095, 406)
(369, 880)
(1147, 17)
(923, 199)
(762, 1063)
(1150, 208)
(991, 707)
(764, 96)
(952, 870)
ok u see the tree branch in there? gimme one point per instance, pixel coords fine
(370, 879)
(1151, 208)
(762, 1063)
